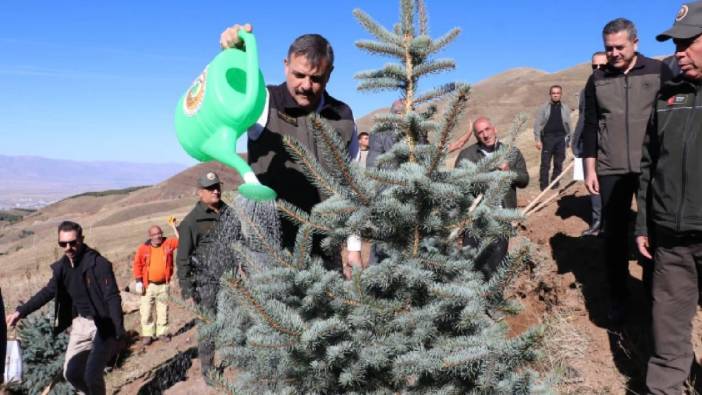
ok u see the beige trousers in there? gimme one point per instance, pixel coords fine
(86, 356)
(156, 295)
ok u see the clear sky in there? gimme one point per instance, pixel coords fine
(90, 80)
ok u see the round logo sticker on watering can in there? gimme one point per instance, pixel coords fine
(224, 101)
(194, 96)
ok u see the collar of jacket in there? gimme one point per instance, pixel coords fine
(678, 85)
(611, 70)
(481, 147)
(206, 209)
(83, 263)
(680, 79)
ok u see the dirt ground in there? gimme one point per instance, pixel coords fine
(568, 292)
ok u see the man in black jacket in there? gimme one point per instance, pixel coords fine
(487, 144)
(669, 222)
(86, 298)
(618, 102)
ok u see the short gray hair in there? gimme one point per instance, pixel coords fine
(620, 25)
(314, 47)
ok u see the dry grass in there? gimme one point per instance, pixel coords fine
(563, 346)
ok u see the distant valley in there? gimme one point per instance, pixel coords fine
(33, 182)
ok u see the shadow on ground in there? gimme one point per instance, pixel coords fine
(629, 342)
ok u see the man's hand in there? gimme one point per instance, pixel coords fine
(591, 182)
(174, 225)
(139, 287)
(644, 247)
(12, 319)
(354, 260)
(230, 37)
(539, 145)
(504, 166)
(458, 144)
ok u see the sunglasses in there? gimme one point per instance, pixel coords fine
(598, 66)
(71, 243)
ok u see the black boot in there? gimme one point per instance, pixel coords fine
(593, 230)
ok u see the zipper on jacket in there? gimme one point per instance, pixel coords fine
(681, 203)
(626, 119)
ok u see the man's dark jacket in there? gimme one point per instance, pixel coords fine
(617, 109)
(276, 168)
(516, 163)
(102, 290)
(193, 232)
(670, 191)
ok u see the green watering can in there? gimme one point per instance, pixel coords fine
(222, 103)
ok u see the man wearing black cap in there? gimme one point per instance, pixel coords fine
(669, 222)
(618, 102)
(194, 231)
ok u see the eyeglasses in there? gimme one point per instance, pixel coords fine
(598, 66)
(71, 243)
(156, 235)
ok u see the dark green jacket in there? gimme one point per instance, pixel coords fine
(670, 189)
(517, 164)
(193, 232)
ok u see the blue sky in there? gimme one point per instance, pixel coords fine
(89, 80)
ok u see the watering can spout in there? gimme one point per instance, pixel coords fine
(221, 147)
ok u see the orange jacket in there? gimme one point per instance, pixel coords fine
(142, 260)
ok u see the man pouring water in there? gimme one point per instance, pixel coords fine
(308, 67)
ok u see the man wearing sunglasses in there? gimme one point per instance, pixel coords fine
(599, 62)
(198, 282)
(87, 299)
(618, 103)
(153, 268)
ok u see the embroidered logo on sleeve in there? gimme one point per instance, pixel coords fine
(677, 100)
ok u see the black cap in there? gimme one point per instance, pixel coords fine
(688, 23)
(208, 179)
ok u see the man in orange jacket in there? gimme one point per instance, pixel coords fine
(153, 269)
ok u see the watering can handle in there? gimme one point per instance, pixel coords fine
(252, 66)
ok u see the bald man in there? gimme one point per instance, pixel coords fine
(486, 134)
(153, 269)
